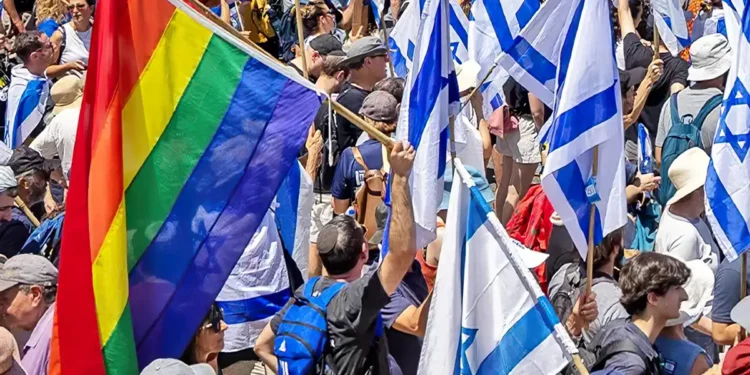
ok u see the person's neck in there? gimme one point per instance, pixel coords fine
(82, 26)
(649, 325)
(353, 274)
(674, 332)
(608, 268)
(711, 84)
(210, 358)
(325, 84)
(362, 80)
(683, 209)
(36, 70)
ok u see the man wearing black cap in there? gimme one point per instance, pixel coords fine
(33, 172)
(367, 58)
(353, 315)
(320, 47)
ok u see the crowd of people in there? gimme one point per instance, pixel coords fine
(664, 300)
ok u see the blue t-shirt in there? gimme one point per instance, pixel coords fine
(679, 355)
(48, 27)
(726, 290)
(405, 348)
(349, 174)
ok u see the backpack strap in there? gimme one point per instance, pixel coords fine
(324, 297)
(673, 109)
(622, 346)
(710, 105)
(359, 159)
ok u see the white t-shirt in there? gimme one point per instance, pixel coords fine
(686, 239)
(59, 138)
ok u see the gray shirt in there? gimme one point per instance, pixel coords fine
(689, 103)
(608, 295)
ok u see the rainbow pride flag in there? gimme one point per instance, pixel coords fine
(185, 135)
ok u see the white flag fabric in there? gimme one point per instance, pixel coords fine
(430, 98)
(728, 180)
(294, 202)
(257, 288)
(532, 57)
(488, 314)
(670, 21)
(587, 113)
(402, 39)
(733, 10)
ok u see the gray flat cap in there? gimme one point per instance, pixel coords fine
(380, 106)
(366, 47)
(27, 269)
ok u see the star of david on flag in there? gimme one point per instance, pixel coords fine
(728, 178)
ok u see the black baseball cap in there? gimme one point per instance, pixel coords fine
(327, 45)
(26, 159)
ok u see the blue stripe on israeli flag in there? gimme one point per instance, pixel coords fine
(480, 270)
(670, 21)
(728, 179)
(587, 113)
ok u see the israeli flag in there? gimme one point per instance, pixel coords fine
(645, 157)
(402, 39)
(294, 202)
(27, 101)
(733, 10)
(670, 21)
(257, 288)
(532, 56)
(587, 114)
(430, 98)
(488, 314)
(728, 180)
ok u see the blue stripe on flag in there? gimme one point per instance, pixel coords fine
(526, 11)
(254, 309)
(683, 42)
(27, 104)
(567, 48)
(458, 28)
(288, 200)
(532, 61)
(496, 14)
(572, 182)
(426, 89)
(595, 110)
(525, 336)
(726, 212)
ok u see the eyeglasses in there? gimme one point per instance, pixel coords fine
(74, 6)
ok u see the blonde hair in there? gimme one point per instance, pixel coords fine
(54, 9)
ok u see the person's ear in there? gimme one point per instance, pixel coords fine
(398, 108)
(37, 295)
(315, 56)
(652, 298)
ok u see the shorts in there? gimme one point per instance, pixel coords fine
(322, 213)
(522, 145)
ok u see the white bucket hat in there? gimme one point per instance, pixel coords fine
(688, 173)
(710, 58)
(467, 75)
(699, 289)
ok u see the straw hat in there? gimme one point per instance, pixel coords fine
(9, 355)
(67, 93)
(688, 173)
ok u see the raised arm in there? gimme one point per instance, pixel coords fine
(402, 239)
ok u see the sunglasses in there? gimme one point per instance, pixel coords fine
(74, 6)
(214, 320)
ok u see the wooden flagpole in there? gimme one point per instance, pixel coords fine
(301, 38)
(657, 42)
(743, 291)
(343, 111)
(26, 211)
(385, 40)
(238, 8)
(592, 213)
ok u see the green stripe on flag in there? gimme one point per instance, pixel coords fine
(119, 351)
(156, 186)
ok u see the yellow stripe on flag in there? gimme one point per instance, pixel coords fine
(110, 274)
(159, 89)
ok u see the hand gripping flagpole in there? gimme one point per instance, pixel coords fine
(528, 282)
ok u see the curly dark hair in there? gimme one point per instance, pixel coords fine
(650, 273)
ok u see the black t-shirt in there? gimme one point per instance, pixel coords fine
(675, 71)
(13, 234)
(352, 316)
(350, 97)
(560, 249)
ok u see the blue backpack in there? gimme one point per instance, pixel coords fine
(302, 336)
(681, 137)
